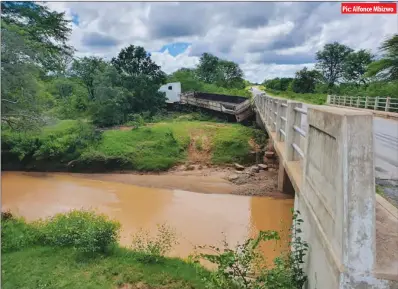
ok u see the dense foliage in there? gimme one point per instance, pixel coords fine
(77, 146)
(212, 75)
(341, 70)
(84, 231)
(42, 80)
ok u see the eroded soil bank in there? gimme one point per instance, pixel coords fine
(201, 179)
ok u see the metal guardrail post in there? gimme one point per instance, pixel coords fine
(366, 102)
(376, 103)
(388, 100)
(291, 137)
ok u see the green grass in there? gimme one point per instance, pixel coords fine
(52, 254)
(155, 146)
(379, 190)
(311, 98)
(144, 148)
(46, 267)
(162, 145)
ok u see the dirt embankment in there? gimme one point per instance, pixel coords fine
(198, 175)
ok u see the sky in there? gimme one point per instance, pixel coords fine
(267, 39)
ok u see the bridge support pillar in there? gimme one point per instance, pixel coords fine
(284, 183)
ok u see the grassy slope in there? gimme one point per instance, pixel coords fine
(45, 267)
(160, 146)
(154, 147)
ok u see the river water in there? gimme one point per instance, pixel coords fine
(198, 219)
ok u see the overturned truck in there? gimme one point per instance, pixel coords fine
(238, 106)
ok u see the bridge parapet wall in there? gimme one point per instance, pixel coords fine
(327, 153)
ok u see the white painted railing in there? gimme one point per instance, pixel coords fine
(285, 119)
(388, 104)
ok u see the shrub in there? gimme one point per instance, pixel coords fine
(16, 233)
(63, 141)
(83, 230)
(241, 267)
(154, 249)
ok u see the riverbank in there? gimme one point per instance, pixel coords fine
(80, 250)
(77, 146)
(200, 179)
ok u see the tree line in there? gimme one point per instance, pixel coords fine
(213, 75)
(340, 69)
(42, 79)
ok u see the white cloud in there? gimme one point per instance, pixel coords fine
(258, 72)
(267, 39)
(171, 63)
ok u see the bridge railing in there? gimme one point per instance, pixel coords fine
(286, 119)
(387, 104)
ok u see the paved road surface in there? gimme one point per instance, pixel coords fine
(385, 145)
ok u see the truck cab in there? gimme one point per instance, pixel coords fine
(172, 90)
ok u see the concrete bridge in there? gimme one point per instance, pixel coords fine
(326, 155)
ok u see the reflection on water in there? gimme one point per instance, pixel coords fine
(198, 218)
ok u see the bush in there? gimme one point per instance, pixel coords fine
(242, 267)
(63, 141)
(154, 249)
(85, 231)
(16, 233)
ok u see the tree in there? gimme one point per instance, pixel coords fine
(387, 67)
(20, 84)
(134, 61)
(117, 96)
(331, 61)
(305, 81)
(45, 31)
(86, 69)
(207, 68)
(188, 79)
(33, 38)
(229, 75)
(108, 107)
(355, 66)
(280, 84)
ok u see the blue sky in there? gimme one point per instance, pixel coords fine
(267, 39)
(75, 18)
(175, 48)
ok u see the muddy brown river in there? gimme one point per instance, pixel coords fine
(198, 218)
